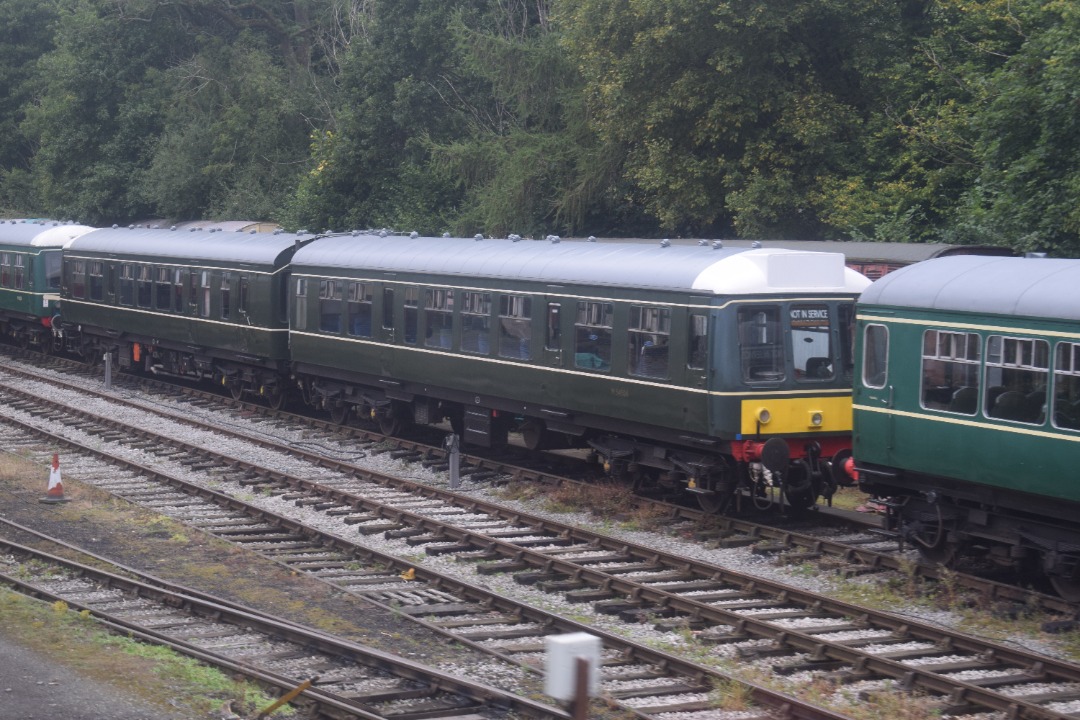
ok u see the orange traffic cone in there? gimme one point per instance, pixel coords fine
(55, 493)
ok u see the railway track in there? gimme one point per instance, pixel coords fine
(645, 681)
(756, 619)
(347, 680)
(846, 555)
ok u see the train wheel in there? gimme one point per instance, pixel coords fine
(1067, 588)
(339, 414)
(276, 398)
(393, 418)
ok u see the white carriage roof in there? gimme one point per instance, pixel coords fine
(1029, 287)
(27, 233)
(200, 246)
(696, 269)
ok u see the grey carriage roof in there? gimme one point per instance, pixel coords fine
(199, 246)
(1029, 287)
(700, 269)
(853, 250)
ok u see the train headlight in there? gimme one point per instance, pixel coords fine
(816, 418)
(764, 416)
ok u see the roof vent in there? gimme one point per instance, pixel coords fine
(755, 245)
(252, 232)
(1035, 255)
(413, 235)
(383, 233)
(446, 235)
(717, 244)
(592, 238)
(514, 237)
(115, 226)
(478, 237)
(555, 239)
(703, 243)
(665, 243)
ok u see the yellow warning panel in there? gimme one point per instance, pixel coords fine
(791, 415)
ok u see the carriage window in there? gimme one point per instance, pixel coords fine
(242, 299)
(78, 278)
(761, 345)
(204, 283)
(301, 303)
(699, 342)
(127, 285)
(649, 332)
(330, 296)
(20, 271)
(97, 280)
(5, 269)
(178, 290)
(515, 327)
(1017, 373)
(439, 315)
(226, 295)
(950, 371)
(592, 335)
(476, 322)
(875, 369)
(52, 269)
(360, 295)
(1067, 386)
(412, 300)
(164, 288)
(143, 287)
(553, 337)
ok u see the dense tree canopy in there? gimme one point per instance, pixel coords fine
(913, 120)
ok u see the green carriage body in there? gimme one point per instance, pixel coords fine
(30, 262)
(187, 303)
(581, 337)
(967, 405)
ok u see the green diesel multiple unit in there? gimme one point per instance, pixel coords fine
(194, 304)
(30, 257)
(712, 369)
(967, 408)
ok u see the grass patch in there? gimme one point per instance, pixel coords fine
(154, 674)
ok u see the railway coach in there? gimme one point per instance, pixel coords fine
(967, 409)
(715, 370)
(30, 261)
(203, 305)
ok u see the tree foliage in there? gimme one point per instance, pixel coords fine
(917, 120)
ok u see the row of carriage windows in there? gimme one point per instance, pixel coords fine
(167, 289)
(346, 307)
(1011, 376)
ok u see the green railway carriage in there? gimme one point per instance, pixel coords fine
(967, 408)
(195, 304)
(30, 258)
(675, 364)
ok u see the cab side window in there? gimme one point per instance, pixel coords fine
(761, 344)
(875, 369)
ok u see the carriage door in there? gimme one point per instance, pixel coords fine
(554, 317)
